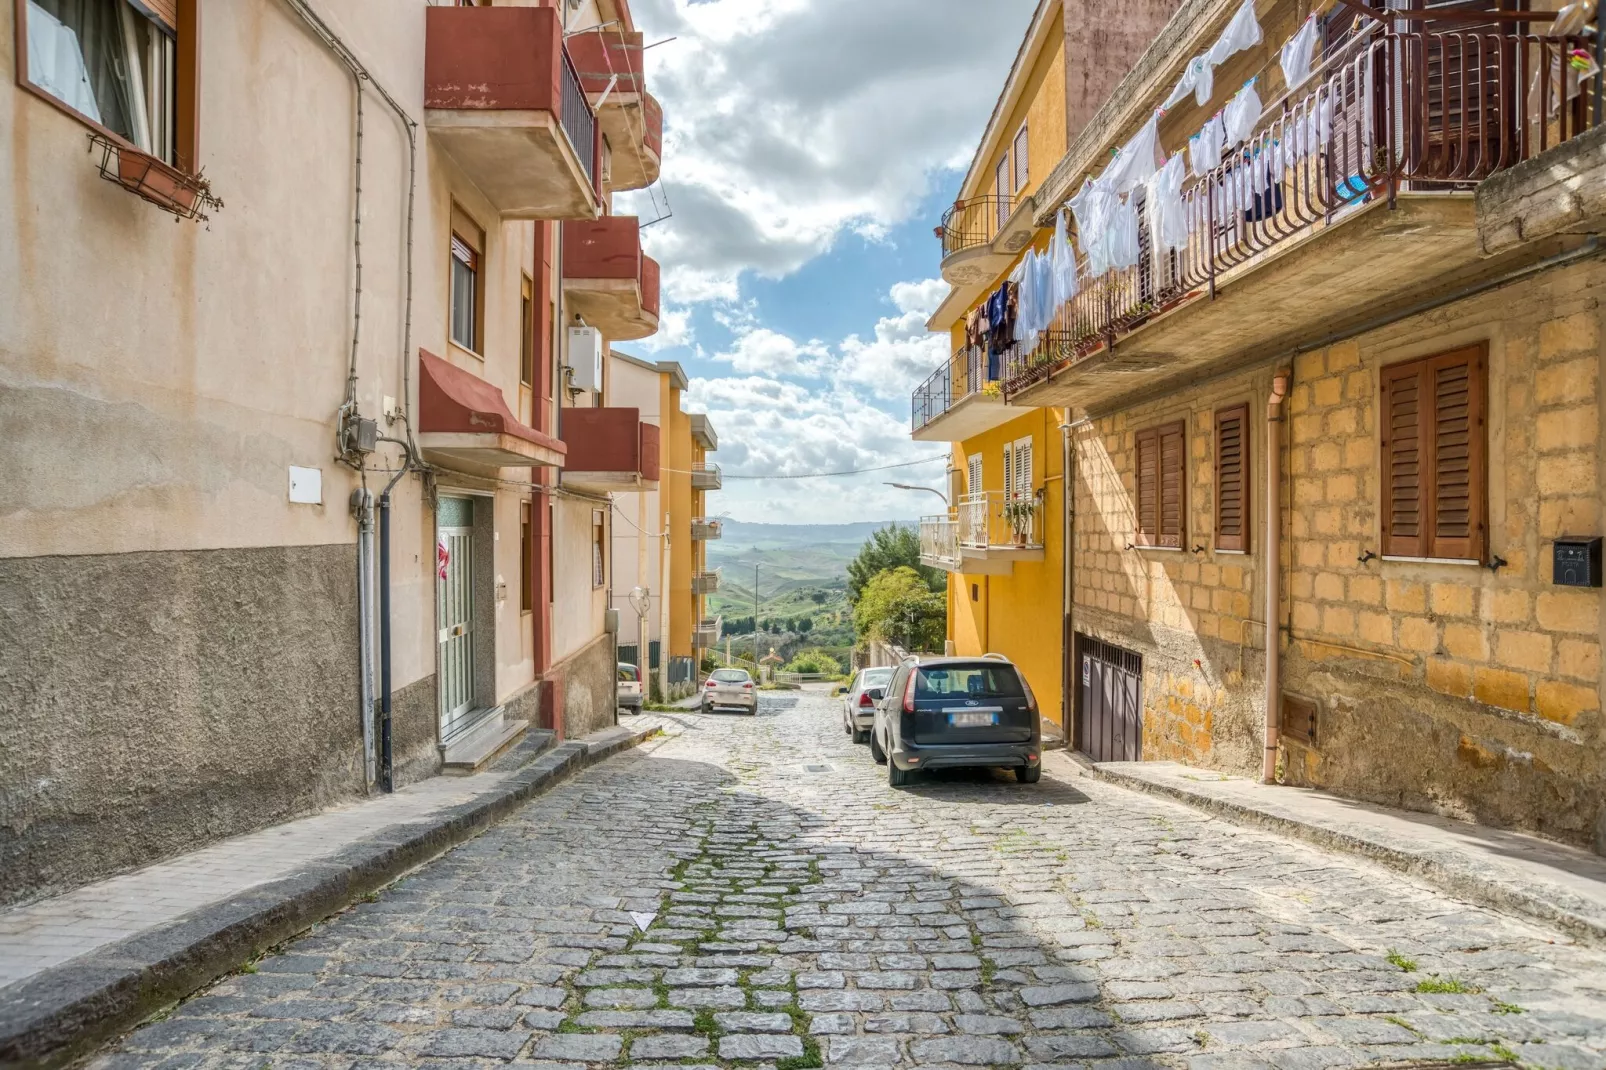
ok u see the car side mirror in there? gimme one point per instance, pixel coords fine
(876, 694)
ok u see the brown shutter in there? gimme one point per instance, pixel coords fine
(163, 11)
(1148, 464)
(1232, 478)
(1435, 456)
(1173, 451)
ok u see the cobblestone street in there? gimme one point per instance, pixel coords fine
(750, 891)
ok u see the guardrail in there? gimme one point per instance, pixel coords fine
(1392, 112)
(706, 476)
(968, 372)
(974, 221)
(995, 519)
(939, 540)
(579, 121)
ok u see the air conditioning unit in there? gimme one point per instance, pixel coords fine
(585, 358)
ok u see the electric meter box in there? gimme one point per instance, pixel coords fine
(585, 358)
(1576, 559)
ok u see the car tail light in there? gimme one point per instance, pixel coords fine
(747, 686)
(710, 683)
(865, 700)
(1031, 699)
(909, 692)
(638, 674)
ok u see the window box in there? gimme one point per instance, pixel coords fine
(185, 196)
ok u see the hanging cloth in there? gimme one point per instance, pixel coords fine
(1198, 78)
(1204, 148)
(1091, 207)
(1025, 279)
(1241, 114)
(1122, 239)
(1136, 163)
(1064, 263)
(1241, 33)
(1167, 214)
(1046, 306)
(1298, 53)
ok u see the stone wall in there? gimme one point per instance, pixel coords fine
(153, 702)
(1446, 687)
(587, 682)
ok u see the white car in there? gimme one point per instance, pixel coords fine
(858, 703)
(629, 687)
(730, 689)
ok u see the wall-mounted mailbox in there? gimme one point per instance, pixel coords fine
(1577, 560)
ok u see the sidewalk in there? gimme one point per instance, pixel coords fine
(83, 965)
(1561, 886)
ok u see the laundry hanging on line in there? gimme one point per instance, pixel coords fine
(1297, 54)
(1167, 213)
(1198, 77)
(1241, 114)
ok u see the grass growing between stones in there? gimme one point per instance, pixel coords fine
(1450, 986)
(1397, 959)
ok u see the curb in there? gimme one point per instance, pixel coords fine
(63, 1012)
(1555, 907)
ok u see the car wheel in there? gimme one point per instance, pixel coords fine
(707, 710)
(861, 737)
(1028, 774)
(876, 752)
(848, 726)
(896, 777)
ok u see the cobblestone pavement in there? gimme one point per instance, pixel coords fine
(749, 892)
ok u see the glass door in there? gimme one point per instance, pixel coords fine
(454, 610)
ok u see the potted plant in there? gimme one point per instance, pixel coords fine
(1020, 512)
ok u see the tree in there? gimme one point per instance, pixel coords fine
(815, 662)
(819, 597)
(897, 605)
(804, 625)
(892, 547)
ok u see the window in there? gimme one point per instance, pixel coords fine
(527, 333)
(1160, 486)
(526, 560)
(1022, 167)
(969, 681)
(465, 294)
(973, 474)
(598, 550)
(128, 70)
(1018, 468)
(1001, 181)
(1435, 456)
(1232, 478)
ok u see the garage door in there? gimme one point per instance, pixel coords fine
(1109, 701)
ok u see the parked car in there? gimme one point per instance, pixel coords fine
(629, 687)
(942, 713)
(858, 701)
(730, 689)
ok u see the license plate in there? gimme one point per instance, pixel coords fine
(972, 720)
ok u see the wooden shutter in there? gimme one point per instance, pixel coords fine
(1148, 504)
(1009, 470)
(974, 475)
(1023, 469)
(1435, 456)
(1173, 451)
(1232, 478)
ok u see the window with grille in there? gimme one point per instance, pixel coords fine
(1160, 491)
(1232, 478)
(1434, 452)
(465, 294)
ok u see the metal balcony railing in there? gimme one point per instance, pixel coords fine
(703, 529)
(939, 541)
(706, 635)
(579, 121)
(705, 582)
(706, 477)
(975, 221)
(1391, 112)
(967, 372)
(999, 520)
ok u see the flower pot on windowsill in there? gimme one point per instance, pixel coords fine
(156, 181)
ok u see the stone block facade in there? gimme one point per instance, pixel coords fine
(1443, 686)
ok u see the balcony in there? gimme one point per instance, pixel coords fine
(706, 530)
(610, 450)
(706, 476)
(610, 69)
(464, 424)
(607, 279)
(1354, 205)
(706, 635)
(962, 398)
(505, 102)
(702, 432)
(705, 582)
(985, 534)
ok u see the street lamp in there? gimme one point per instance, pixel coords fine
(928, 490)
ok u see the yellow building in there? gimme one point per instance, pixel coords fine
(1334, 440)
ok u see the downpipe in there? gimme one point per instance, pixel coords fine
(1274, 528)
(362, 507)
(387, 768)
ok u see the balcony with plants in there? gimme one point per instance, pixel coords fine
(985, 533)
(706, 529)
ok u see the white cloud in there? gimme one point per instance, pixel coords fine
(674, 331)
(766, 352)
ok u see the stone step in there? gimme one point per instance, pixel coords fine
(480, 748)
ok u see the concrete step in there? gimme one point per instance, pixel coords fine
(536, 742)
(484, 745)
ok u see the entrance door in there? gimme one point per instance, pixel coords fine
(454, 610)
(1109, 701)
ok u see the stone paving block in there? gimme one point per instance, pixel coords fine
(1054, 995)
(759, 1046)
(966, 1051)
(621, 997)
(862, 1051)
(753, 1022)
(727, 998)
(668, 1046)
(579, 1047)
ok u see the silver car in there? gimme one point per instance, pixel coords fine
(730, 689)
(858, 704)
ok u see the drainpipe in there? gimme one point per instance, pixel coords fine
(387, 779)
(1274, 528)
(1067, 556)
(362, 506)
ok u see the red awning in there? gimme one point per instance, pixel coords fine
(456, 401)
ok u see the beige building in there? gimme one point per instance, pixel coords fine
(311, 486)
(1333, 432)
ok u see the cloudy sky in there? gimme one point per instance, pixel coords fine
(809, 148)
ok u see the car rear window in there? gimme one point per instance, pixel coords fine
(969, 681)
(875, 677)
(731, 676)
(627, 673)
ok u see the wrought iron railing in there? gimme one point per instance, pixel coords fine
(996, 519)
(939, 540)
(967, 372)
(975, 221)
(704, 529)
(579, 121)
(1391, 113)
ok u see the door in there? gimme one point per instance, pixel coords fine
(1109, 701)
(454, 610)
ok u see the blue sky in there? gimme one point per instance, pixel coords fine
(810, 148)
